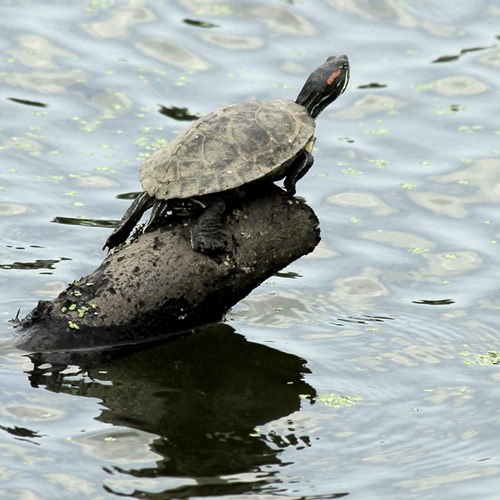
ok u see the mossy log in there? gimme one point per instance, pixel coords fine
(156, 286)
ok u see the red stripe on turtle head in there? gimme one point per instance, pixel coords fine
(333, 76)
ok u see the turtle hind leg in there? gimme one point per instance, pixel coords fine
(129, 220)
(207, 235)
(158, 213)
(297, 170)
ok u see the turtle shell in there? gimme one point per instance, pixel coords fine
(228, 148)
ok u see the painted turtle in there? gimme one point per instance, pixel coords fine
(263, 140)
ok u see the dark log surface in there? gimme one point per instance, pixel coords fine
(157, 286)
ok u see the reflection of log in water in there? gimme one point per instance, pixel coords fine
(203, 396)
(158, 286)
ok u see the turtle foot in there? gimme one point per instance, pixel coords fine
(207, 235)
(208, 244)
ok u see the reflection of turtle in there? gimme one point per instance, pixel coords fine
(229, 148)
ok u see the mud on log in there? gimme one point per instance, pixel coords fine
(157, 286)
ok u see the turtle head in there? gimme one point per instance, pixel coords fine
(324, 85)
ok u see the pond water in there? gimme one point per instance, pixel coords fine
(367, 369)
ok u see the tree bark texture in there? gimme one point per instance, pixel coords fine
(157, 286)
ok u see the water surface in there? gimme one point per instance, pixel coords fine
(367, 369)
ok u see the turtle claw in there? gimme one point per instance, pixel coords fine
(114, 239)
(209, 244)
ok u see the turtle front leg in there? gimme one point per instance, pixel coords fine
(297, 170)
(129, 220)
(207, 235)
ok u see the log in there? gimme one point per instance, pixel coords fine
(156, 286)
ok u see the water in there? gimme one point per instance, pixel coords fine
(369, 368)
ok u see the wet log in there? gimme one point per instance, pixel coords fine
(156, 286)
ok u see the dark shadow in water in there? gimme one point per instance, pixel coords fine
(26, 102)
(88, 222)
(37, 264)
(363, 319)
(204, 396)
(435, 302)
(179, 114)
(200, 24)
(455, 57)
(373, 85)
(21, 433)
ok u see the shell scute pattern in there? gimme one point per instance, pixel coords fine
(228, 148)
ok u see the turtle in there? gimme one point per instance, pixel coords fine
(228, 149)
